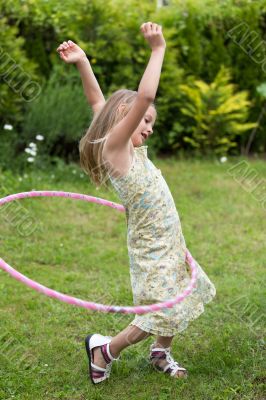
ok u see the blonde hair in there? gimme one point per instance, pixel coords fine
(91, 144)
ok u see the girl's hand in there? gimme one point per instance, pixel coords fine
(153, 34)
(70, 52)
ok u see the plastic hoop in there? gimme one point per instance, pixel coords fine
(81, 303)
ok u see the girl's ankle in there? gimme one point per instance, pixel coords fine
(114, 352)
(159, 345)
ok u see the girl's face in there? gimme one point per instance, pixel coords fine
(144, 130)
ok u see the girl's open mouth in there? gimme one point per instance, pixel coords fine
(144, 135)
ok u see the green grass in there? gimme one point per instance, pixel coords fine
(80, 248)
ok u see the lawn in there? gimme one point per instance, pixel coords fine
(79, 248)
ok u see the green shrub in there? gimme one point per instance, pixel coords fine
(12, 154)
(198, 42)
(8, 139)
(16, 70)
(61, 114)
(216, 115)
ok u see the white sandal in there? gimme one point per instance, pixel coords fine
(161, 353)
(98, 374)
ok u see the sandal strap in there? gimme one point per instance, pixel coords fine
(105, 349)
(163, 349)
(158, 354)
(164, 353)
(173, 368)
(100, 374)
(97, 368)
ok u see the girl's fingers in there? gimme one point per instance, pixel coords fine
(63, 56)
(150, 27)
(142, 28)
(65, 45)
(153, 28)
(146, 26)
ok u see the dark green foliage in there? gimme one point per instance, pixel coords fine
(61, 114)
(201, 36)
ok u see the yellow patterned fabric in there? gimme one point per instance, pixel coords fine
(156, 249)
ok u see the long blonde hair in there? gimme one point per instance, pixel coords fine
(91, 144)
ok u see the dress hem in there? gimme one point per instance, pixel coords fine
(173, 332)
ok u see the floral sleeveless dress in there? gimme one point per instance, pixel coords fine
(156, 249)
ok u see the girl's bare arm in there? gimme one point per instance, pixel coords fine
(150, 80)
(90, 84)
(120, 134)
(71, 53)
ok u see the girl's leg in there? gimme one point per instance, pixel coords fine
(164, 341)
(130, 335)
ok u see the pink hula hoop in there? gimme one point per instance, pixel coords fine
(86, 304)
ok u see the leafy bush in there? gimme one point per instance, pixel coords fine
(15, 71)
(216, 114)
(8, 138)
(198, 42)
(61, 115)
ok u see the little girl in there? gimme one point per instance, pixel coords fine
(113, 150)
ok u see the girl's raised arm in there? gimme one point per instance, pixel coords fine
(120, 134)
(71, 53)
